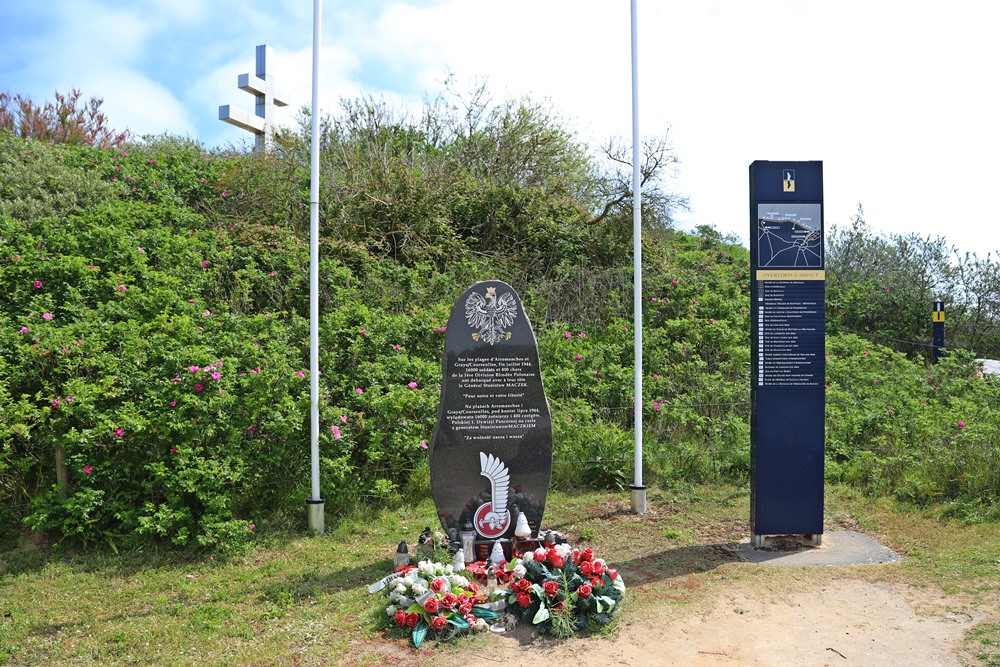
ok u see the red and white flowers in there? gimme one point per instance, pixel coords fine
(434, 597)
(564, 590)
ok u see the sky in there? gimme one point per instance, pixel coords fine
(898, 99)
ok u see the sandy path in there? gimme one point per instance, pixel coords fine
(844, 622)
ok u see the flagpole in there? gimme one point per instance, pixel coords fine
(637, 488)
(315, 503)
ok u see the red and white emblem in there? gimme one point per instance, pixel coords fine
(492, 519)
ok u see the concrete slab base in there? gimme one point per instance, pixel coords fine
(838, 547)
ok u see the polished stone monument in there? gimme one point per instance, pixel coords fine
(491, 452)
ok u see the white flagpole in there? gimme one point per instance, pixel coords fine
(638, 490)
(316, 504)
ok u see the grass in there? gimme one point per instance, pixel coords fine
(297, 600)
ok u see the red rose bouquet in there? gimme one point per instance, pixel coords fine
(563, 590)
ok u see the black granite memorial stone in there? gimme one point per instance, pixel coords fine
(492, 446)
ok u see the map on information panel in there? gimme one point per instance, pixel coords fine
(789, 236)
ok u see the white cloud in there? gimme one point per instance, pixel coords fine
(897, 100)
(143, 106)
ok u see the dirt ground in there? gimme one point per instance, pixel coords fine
(843, 622)
(703, 604)
(743, 614)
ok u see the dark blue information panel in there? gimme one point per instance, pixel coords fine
(788, 332)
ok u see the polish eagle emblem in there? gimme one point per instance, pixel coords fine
(493, 518)
(490, 315)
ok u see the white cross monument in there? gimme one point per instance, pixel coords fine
(268, 96)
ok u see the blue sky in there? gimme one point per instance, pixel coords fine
(897, 98)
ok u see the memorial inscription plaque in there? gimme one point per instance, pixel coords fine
(492, 446)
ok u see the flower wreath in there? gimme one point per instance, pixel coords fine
(559, 590)
(431, 597)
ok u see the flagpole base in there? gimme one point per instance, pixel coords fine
(638, 498)
(316, 516)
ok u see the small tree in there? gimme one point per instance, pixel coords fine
(67, 120)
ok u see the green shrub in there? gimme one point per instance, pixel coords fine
(154, 335)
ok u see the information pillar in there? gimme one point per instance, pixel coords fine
(937, 317)
(788, 332)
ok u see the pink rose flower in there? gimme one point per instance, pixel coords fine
(584, 590)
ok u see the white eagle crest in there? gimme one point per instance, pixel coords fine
(494, 470)
(491, 315)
